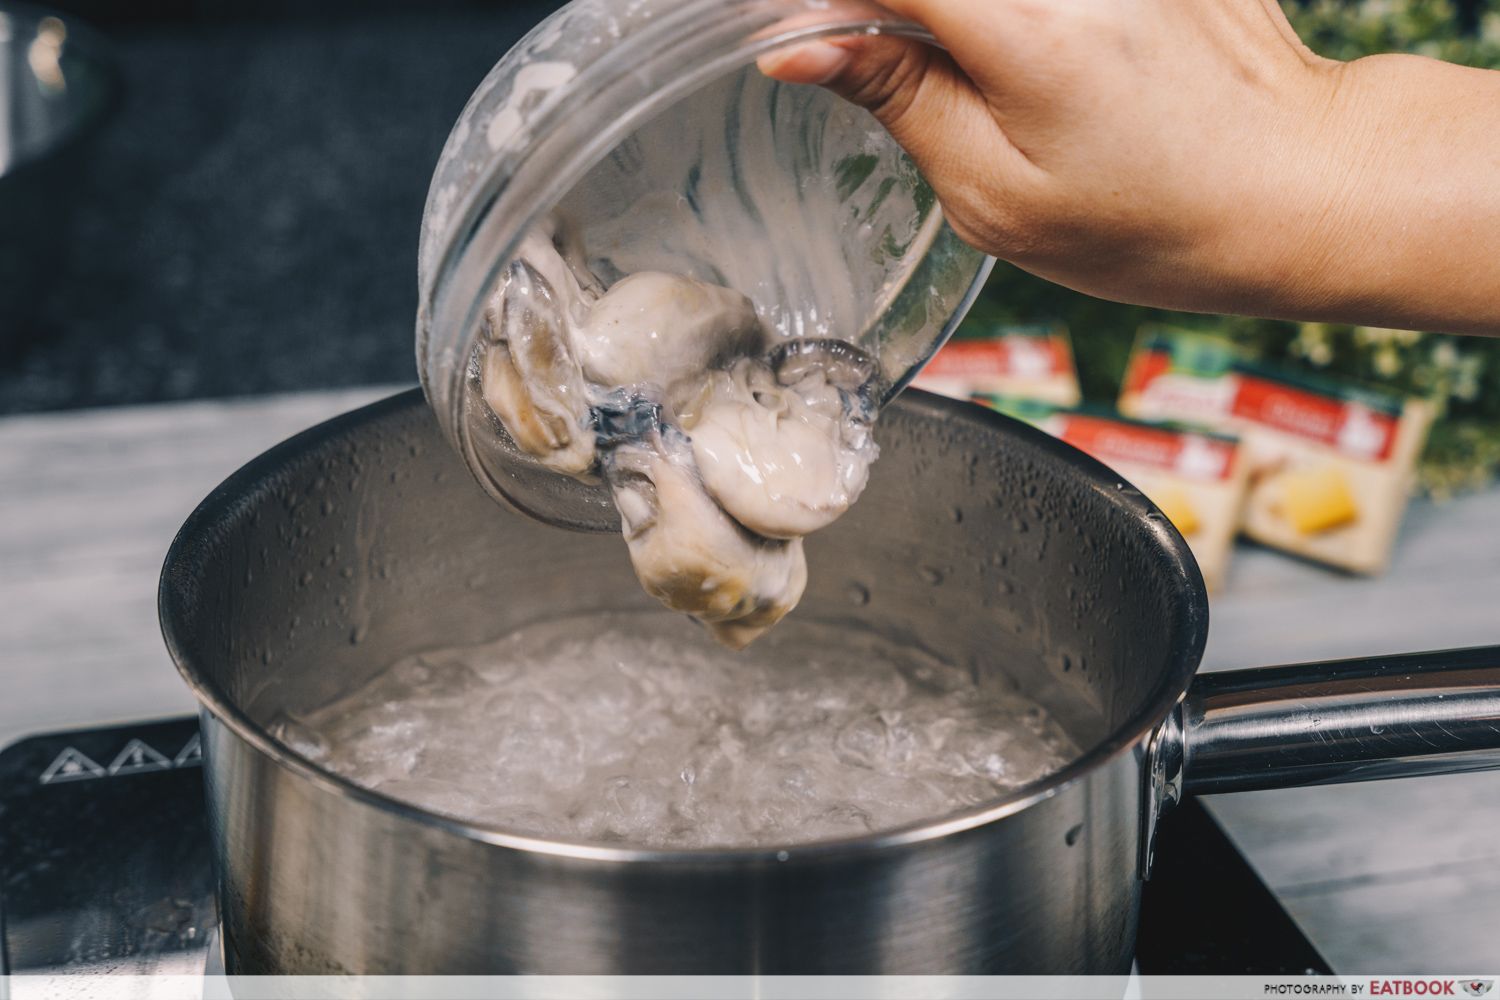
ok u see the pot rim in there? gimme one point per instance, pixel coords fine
(226, 505)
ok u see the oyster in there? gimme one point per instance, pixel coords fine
(783, 459)
(653, 328)
(692, 556)
(530, 377)
(721, 448)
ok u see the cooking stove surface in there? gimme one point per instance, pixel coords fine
(105, 867)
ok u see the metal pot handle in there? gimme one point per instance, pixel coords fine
(1321, 723)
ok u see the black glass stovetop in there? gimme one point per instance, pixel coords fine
(105, 868)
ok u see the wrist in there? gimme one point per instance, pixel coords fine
(1283, 241)
(1381, 199)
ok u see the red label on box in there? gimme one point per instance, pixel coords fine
(1145, 368)
(1193, 456)
(1346, 425)
(1353, 429)
(1005, 357)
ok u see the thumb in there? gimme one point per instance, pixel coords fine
(915, 90)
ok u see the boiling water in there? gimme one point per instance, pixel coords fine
(637, 729)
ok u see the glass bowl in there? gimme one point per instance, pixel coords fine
(646, 125)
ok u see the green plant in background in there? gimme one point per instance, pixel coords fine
(1462, 375)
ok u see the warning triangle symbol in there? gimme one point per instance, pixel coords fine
(71, 765)
(138, 757)
(191, 754)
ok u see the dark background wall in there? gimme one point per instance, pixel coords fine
(247, 220)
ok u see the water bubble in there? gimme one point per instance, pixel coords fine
(863, 743)
(297, 737)
(858, 594)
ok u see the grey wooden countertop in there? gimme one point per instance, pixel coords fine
(1400, 877)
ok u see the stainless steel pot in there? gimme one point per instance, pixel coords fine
(364, 540)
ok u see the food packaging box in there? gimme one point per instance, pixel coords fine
(1024, 362)
(1331, 463)
(1197, 478)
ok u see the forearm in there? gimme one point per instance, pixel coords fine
(1393, 219)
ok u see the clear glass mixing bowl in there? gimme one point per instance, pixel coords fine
(646, 124)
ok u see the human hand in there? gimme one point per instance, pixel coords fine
(1186, 155)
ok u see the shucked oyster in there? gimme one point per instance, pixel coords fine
(720, 455)
(784, 451)
(653, 328)
(692, 556)
(531, 379)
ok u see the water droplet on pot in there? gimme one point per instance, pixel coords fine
(858, 594)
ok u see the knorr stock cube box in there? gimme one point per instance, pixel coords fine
(1197, 478)
(1023, 362)
(1330, 462)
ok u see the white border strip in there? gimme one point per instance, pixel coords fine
(110, 987)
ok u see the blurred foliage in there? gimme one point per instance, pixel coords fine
(1461, 374)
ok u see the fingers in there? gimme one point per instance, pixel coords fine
(816, 62)
(914, 90)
